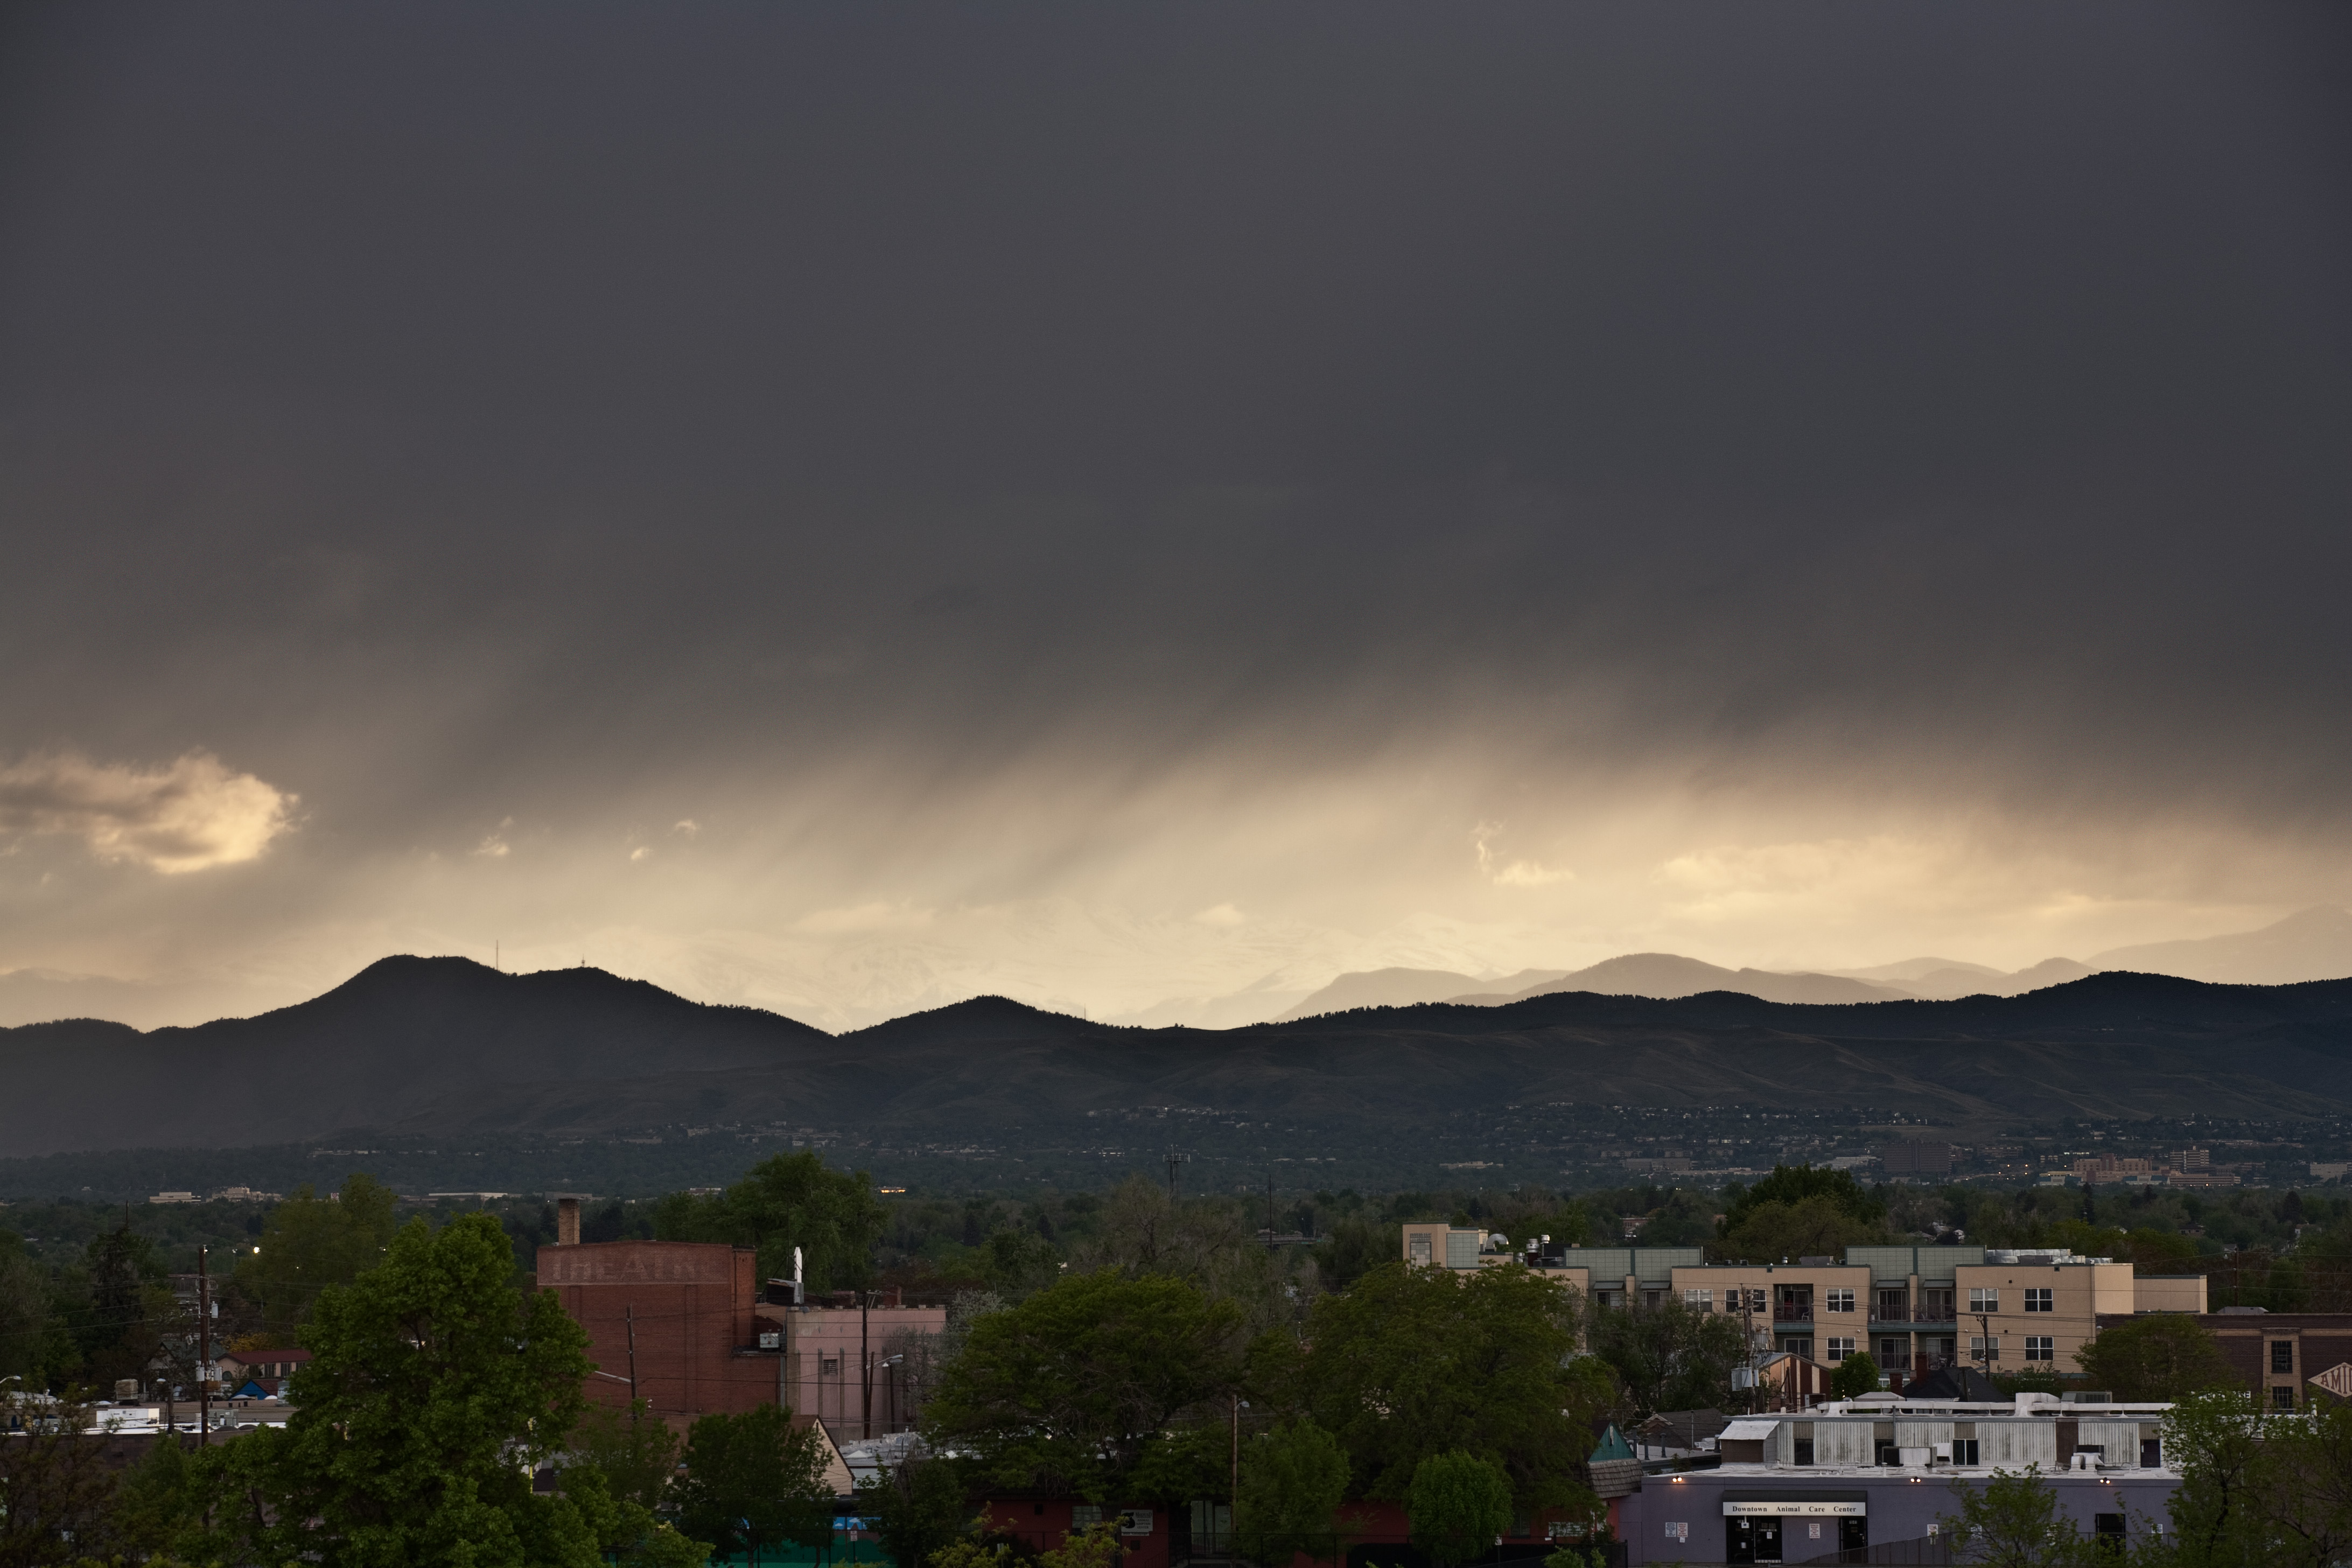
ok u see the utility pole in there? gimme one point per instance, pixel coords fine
(866, 1366)
(204, 1350)
(1269, 1211)
(632, 1362)
(1174, 1160)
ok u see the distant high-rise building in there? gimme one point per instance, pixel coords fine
(2189, 1162)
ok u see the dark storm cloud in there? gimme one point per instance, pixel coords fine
(442, 400)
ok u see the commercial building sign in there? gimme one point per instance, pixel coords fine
(1795, 1507)
(2336, 1380)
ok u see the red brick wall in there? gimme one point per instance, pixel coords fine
(2319, 1340)
(692, 1303)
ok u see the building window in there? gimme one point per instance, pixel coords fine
(1839, 1351)
(1893, 1353)
(1840, 1302)
(2282, 1398)
(1422, 1251)
(1802, 1451)
(1893, 1306)
(1699, 1300)
(829, 1366)
(2040, 1347)
(1964, 1452)
(2282, 1356)
(1756, 1300)
(1983, 1300)
(1797, 1344)
(2038, 1300)
(1983, 1350)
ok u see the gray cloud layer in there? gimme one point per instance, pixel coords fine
(882, 419)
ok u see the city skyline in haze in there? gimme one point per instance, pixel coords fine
(838, 511)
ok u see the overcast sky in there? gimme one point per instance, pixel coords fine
(844, 507)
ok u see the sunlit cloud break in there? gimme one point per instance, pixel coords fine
(190, 815)
(1516, 873)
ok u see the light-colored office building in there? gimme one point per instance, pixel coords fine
(1910, 1309)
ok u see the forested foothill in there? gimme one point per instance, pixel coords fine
(1118, 1347)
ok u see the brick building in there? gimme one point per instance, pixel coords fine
(676, 1321)
(2287, 1358)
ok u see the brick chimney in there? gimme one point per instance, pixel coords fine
(567, 1221)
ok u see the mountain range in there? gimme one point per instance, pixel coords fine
(451, 1048)
(2314, 944)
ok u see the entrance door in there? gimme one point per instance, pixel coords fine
(1752, 1541)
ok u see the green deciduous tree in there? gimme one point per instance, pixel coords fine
(1773, 1231)
(1793, 1184)
(1459, 1505)
(433, 1389)
(1294, 1478)
(1858, 1374)
(788, 1200)
(916, 1507)
(2013, 1522)
(33, 1342)
(1669, 1356)
(1213, 1243)
(311, 1244)
(753, 1482)
(1097, 1385)
(1416, 1361)
(2159, 1356)
(58, 1494)
(2258, 1486)
(635, 1449)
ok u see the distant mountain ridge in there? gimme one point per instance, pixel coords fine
(2313, 944)
(447, 1048)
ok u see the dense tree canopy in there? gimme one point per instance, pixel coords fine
(2259, 1488)
(433, 1388)
(1668, 1357)
(1459, 1505)
(1416, 1361)
(788, 1200)
(1090, 1384)
(753, 1482)
(1792, 1184)
(1293, 1480)
(311, 1243)
(2157, 1356)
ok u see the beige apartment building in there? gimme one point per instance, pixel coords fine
(1911, 1309)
